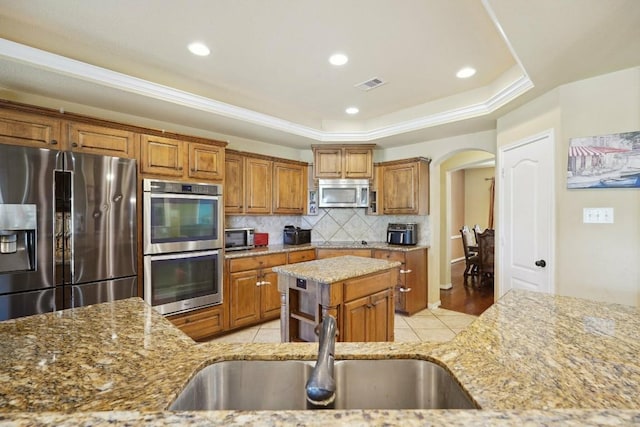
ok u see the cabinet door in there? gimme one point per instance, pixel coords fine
(206, 161)
(269, 295)
(161, 156)
(413, 274)
(244, 301)
(202, 323)
(355, 323)
(327, 163)
(289, 188)
(106, 141)
(400, 190)
(258, 185)
(29, 129)
(233, 183)
(380, 317)
(358, 163)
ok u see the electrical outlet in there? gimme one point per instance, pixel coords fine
(597, 215)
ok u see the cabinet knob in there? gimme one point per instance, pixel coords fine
(74, 144)
(179, 168)
(405, 271)
(404, 289)
(266, 283)
(369, 306)
(259, 283)
(54, 142)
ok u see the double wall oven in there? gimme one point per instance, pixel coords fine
(183, 245)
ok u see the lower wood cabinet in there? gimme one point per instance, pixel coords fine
(202, 323)
(368, 319)
(253, 289)
(411, 292)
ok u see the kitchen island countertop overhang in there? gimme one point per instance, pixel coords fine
(530, 357)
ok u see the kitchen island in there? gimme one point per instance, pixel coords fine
(357, 291)
(530, 358)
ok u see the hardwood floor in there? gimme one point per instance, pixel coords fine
(470, 299)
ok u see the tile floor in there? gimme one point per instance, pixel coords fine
(436, 325)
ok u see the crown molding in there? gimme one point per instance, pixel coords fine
(104, 77)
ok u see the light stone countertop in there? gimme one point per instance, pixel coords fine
(530, 359)
(332, 270)
(272, 249)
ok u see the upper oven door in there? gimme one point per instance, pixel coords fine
(181, 222)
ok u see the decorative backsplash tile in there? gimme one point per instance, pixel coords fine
(333, 225)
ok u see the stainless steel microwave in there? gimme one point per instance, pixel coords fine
(236, 239)
(343, 193)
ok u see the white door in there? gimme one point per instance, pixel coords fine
(527, 215)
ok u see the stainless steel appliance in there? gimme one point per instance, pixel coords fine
(236, 239)
(343, 193)
(183, 252)
(181, 216)
(67, 230)
(402, 234)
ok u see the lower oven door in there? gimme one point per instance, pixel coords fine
(179, 282)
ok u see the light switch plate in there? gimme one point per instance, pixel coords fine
(597, 215)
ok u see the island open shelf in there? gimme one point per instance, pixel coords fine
(357, 291)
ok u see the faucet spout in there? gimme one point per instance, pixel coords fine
(321, 386)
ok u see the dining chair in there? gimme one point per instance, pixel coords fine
(470, 252)
(486, 254)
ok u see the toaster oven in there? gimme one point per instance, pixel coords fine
(402, 234)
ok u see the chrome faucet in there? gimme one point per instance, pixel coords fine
(321, 387)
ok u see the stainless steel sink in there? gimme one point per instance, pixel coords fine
(361, 384)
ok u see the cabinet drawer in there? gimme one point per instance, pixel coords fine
(201, 323)
(301, 256)
(389, 255)
(370, 284)
(330, 253)
(256, 262)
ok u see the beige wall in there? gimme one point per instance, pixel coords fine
(477, 196)
(594, 261)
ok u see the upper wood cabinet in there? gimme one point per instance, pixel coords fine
(405, 187)
(87, 138)
(34, 130)
(289, 188)
(343, 161)
(206, 161)
(256, 184)
(233, 183)
(181, 159)
(162, 156)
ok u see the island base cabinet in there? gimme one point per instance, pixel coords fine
(368, 319)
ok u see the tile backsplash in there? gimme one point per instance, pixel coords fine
(333, 225)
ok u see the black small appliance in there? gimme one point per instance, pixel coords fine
(402, 234)
(296, 235)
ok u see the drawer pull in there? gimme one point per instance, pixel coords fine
(259, 283)
(266, 283)
(405, 271)
(405, 289)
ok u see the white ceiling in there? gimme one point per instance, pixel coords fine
(268, 78)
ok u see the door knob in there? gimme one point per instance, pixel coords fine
(541, 263)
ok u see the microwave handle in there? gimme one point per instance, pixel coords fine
(364, 192)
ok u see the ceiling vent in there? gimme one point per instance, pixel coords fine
(371, 83)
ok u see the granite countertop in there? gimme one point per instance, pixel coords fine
(529, 359)
(332, 270)
(272, 249)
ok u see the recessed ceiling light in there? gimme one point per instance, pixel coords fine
(352, 110)
(338, 59)
(199, 49)
(465, 72)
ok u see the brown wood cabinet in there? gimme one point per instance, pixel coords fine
(411, 292)
(202, 323)
(343, 161)
(405, 187)
(301, 256)
(233, 183)
(263, 185)
(253, 289)
(93, 139)
(30, 129)
(367, 319)
(289, 188)
(177, 158)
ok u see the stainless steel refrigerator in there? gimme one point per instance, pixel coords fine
(67, 230)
